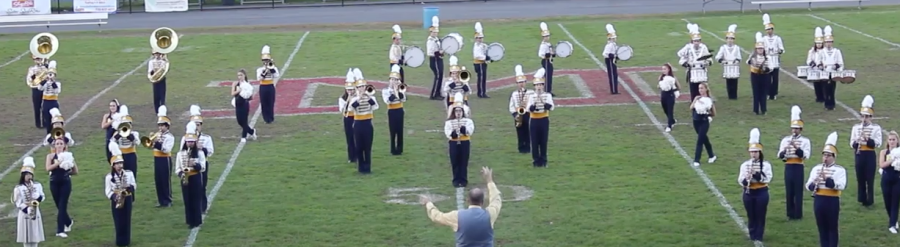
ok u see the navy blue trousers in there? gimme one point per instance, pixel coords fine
(437, 68)
(205, 202)
(756, 202)
(548, 76)
(395, 129)
(46, 105)
(122, 221)
(109, 134)
(612, 74)
(459, 162)
(242, 113)
(829, 89)
(731, 85)
(162, 176)
(827, 210)
(819, 88)
(890, 191)
(772, 89)
(61, 189)
(540, 131)
(523, 136)
(131, 163)
(267, 102)
(193, 198)
(865, 177)
(702, 128)
(760, 84)
(667, 100)
(159, 94)
(348, 134)
(481, 74)
(363, 132)
(37, 97)
(794, 187)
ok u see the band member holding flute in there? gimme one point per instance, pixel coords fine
(546, 53)
(459, 128)
(454, 85)
(755, 175)
(890, 180)
(205, 143)
(162, 143)
(473, 226)
(51, 88)
(811, 59)
(242, 93)
(759, 75)
(61, 165)
(865, 137)
(691, 57)
(126, 138)
(479, 53)
(519, 112)
(347, 112)
(394, 96)
(830, 60)
(58, 122)
(794, 150)
(669, 91)
(36, 93)
(539, 105)
(435, 58)
(774, 48)
(120, 186)
(107, 123)
(703, 109)
(395, 54)
(730, 57)
(190, 163)
(364, 105)
(610, 57)
(266, 75)
(27, 196)
(826, 181)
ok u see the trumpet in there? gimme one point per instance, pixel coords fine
(124, 129)
(58, 133)
(398, 90)
(464, 75)
(147, 142)
(370, 90)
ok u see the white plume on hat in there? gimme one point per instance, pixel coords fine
(818, 34)
(766, 20)
(123, 110)
(760, 41)
(754, 136)
(694, 30)
(51, 65)
(540, 73)
(519, 70)
(544, 30)
(868, 101)
(190, 128)
(667, 83)
(458, 98)
(395, 68)
(732, 30)
(831, 141)
(828, 35)
(397, 31)
(28, 162)
(265, 49)
(358, 74)
(435, 21)
(795, 113)
(453, 60)
(350, 76)
(457, 102)
(479, 30)
(610, 31)
(114, 149)
(162, 111)
(195, 110)
(54, 112)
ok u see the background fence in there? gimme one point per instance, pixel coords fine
(137, 6)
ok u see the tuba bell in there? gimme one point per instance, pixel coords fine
(147, 142)
(43, 46)
(124, 129)
(370, 90)
(163, 40)
(464, 75)
(58, 133)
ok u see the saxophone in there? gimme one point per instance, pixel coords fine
(120, 190)
(32, 203)
(186, 167)
(520, 111)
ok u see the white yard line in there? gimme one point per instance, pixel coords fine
(854, 30)
(14, 59)
(709, 184)
(237, 150)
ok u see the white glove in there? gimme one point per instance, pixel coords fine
(710, 119)
(677, 94)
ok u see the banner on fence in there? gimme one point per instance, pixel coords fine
(164, 5)
(24, 7)
(95, 6)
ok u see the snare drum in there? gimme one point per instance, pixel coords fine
(414, 56)
(495, 51)
(563, 49)
(698, 75)
(802, 71)
(815, 74)
(731, 71)
(846, 76)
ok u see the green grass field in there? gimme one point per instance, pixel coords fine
(614, 178)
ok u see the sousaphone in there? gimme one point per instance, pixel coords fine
(163, 40)
(43, 46)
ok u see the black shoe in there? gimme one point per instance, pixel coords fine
(486, 96)
(163, 205)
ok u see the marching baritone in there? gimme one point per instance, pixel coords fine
(759, 75)
(126, 138)
(730, 57)
(695, 57)
(479, 53)
(609, 56)
(774, 49)
(51, 88)
(521, 117)
(539, 105)
(205, 143)
(107, 123)
(394, 96)
(162, 142)
(435, 58)
(190, 164)
(454, 85)
(546, 53)
(58, 122)
(347, 112)
(120, 186)
(811, 59)
(27, 196)
(364, 105)
(830, 60)
(826, 181)
(755, 175)
(703, 109)
(459, 128)
(266, 75)
(864, 138)
(395, 55)
(241, 94)
(794, 150)
(890, 180)
(36, 93)
(61, 165)
(669, 91)
(473, 226)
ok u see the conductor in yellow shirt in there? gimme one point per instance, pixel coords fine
(473, 226)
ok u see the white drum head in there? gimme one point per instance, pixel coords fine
(624, 52)
(496, 51)
(563, 49)
(449, 45)
(414, 56)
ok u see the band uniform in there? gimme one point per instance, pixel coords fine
(27, 196)
(190, 164)
(120, 187)
(395, 54)
(546, 53)
(205, 142)
(266, 75)
(730, 56)
(364, 105)
(473, 226)
(611, 59)
(127, 142)
(159, 87)
(50, 98)
(794, 150)
(454, 85)
(435, 58)
(36, 93)
(394, 99)
(830, 60)
(162, 158)
(479, 53)
(539, 105)
(774, 48)
(755, 175)
(521, 116)
(759, 75)
(348, 114)
(687, 58)
(459, 128)
(57, 121)
(827, 180)
(865, 137)
(811, 58)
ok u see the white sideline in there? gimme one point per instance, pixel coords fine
(237, 150)
(792, 75)
(855, 31)
(14, 59)
(709, 184)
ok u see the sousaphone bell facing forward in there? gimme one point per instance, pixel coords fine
(43, 46)
(163, 40)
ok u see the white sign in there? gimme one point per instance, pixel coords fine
(95, 6)
(410, 196)
(24, 7)
(163, 5)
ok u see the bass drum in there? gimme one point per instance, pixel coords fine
(414, 56)
(624, 52)
(495, 51)
(563, 49)
(452, 43)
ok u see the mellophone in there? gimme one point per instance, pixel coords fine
(815, 73)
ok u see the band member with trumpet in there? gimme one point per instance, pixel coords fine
(759, 75)
(394, 96)
(695, 57)
(205, 143)
(459, 128)
(474, 226)
(435, 58)
(458, 82)
(865, 137)
(266, 75)
(827, 180)
(396, 52)
(774, 48)
(163, 41)
(609, 56)
(120, 186)
(162, 142)
(364, 105)
(811, 59)
(546, 53)
(479, 53)
(190, 163)
(730, 57)
(27, 196)
(755, 175)
(669, 91)
(42, 47)
(703, 109)
(39, 68)
(58, 123)
(347, 112)
(51, 88)
(539, 105)
(107, 123)
(890, 180)
(830, 60)
(241, 94)
(521, 117)
(126, 138)
(61, 165)
(794, 150)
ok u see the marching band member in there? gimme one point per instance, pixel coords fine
(159, 87)
(127, 141)
(242, 93)
(205, 142)
(755, 175)
(191, 162)
(812, 58)
(162, 158)
(107, 123)
(864, 138)
(890, 180)
(610, 57)
(120, 186)
(266, 75)
(730, 55)
(521, 117)
(394, 98)
(759, 75)
(435, 58)
(473, 226)
(696, 73)
(669, 91)
(363, 130)
(347, 111)
(793, 150)
(703, 109)
(27, 195)
(457, 101)
(57, 121)
(479, 52)
(830, 59)
(826, 181)
(454, 85)
(539, 105)
(546, 53)
(774, 48)
(396, 52)
(459, 128)
(36, 93)
(61, 165)
(51, 88)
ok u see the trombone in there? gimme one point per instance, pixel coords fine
(147, 142)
